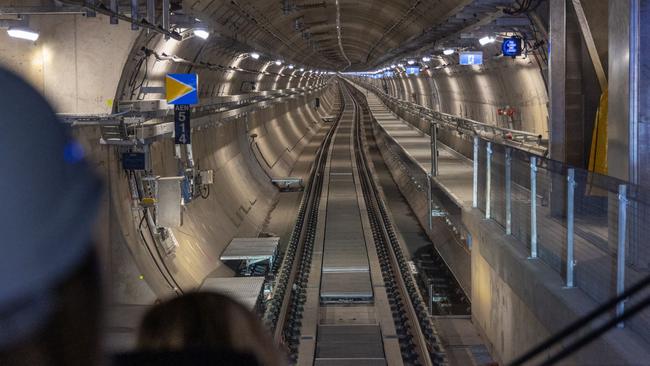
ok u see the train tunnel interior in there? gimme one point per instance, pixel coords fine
(439, 181)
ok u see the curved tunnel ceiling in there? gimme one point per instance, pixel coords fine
(305, 31)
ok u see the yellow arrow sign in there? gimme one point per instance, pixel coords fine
(176, 89)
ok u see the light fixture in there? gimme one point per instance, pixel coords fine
(486, 40)
(400, 65)
(202, 33)
(426, 59)
(278, 62)
(410, 62)
(302, 69)
(392, 66)
(23, 33)
(291, 67)
(255, 55)
(448, 52)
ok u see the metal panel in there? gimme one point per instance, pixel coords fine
(349, 342)
(168, 209)
(341, 286)
(250, 248)
(245, 290)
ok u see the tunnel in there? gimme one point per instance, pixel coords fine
(397, 182)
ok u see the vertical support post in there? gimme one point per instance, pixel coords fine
(190, 155)
(430, 200)
(570, 263)
(165, 16)
(135, 15)
(488, 179)
(147, 159)
(151, 12)
(557, 80)
(431, 298)
(620, 257)
(533, 207)
(508, 190)
(115, 8)
(434, 149)
(475, 178)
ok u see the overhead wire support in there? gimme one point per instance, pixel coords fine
(338, 33)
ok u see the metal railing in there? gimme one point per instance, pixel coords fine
(587, 227)
(408, 110)
(566, 217)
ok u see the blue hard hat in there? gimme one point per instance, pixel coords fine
(49, 198)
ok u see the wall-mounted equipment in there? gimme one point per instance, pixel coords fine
(471, 58)
(512, 47)
(134, 161)
(168, 203)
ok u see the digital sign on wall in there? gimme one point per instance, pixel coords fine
(471, 58)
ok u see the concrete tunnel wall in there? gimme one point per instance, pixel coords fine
(83, 64)
(477, 92)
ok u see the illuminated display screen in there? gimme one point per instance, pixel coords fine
(511, 47)
(413, 70)
(471, 58)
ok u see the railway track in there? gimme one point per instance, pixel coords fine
(344, 293)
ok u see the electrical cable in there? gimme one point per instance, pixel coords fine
(576, 325)
(591, 336)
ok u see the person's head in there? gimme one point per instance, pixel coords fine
(49, 296)
(205, 320)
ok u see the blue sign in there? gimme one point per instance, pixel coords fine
(182, 88)
(511, 47)
(388, 74)
(133, 161)
(182, 124)
(471, 58)
(413, 70)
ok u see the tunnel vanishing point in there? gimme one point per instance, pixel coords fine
(383, 182)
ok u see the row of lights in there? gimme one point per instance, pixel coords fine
(28, 34)
(204, 34)
(447, 52)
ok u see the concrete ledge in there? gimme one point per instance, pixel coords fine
(517, 302)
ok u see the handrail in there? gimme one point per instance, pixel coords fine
(523, 140)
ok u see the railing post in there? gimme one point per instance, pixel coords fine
(488, 179)
(533, 207)
(429, 199)
(620, 257)
(508, 191)
(434, 149)
(570, 263)
(475, 179)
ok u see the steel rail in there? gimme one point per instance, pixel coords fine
(426, 341)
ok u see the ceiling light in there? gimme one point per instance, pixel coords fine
(291, 67)
(426, 59)
(392, 66)
(400, 65)
(410, 62)
(485, 40)
(278, 62)
(255, 55)
(302, 69)
(202, 33)
(23, 33)
(448, 52)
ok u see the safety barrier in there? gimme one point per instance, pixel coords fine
(569, 218)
